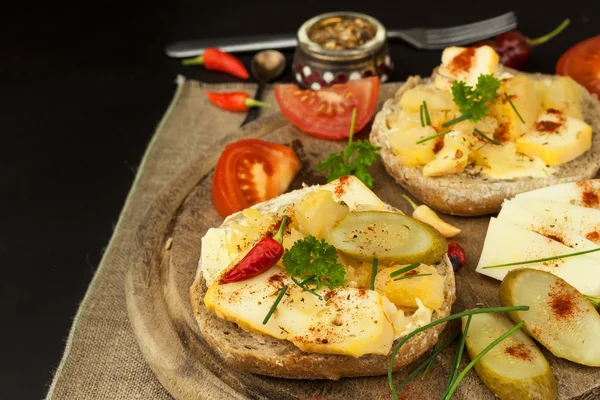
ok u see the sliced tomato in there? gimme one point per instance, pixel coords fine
(327, 112)
(582, 63)
(250, 171)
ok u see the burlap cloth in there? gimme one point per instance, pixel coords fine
(102, 359)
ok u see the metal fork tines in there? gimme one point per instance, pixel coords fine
(435, 39)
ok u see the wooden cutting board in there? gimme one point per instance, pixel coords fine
(164, 263)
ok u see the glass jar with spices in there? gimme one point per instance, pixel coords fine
(338, 47)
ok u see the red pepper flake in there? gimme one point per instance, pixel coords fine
(547, 126)
(343, 183)
(501, 134)
(412, 272)
(439, 145)
(552, 236)
(458, 154)
(553, 111)
(519, 351)
(593, 236)
(463, 61)
(277, 278)
(362, 292)
(589, 197)
(562, 303)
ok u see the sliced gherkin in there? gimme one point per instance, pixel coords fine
(514, 369)
(389, 237)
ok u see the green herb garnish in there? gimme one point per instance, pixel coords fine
(410, 276)
(274, 306)
(311, 257)
(303, 285)
(429, 360)
(479, 133)
(404, 269)
(433, 136)
(458, 355)
(456, 120)
(513, 107)
(406, 338)
(374, 272)
(594, 300)
(421, 115)
(474, 101)
(506, 334)
(579, 253)
(426, 112)
(355, 159)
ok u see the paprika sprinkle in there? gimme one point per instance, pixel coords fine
(259, 259)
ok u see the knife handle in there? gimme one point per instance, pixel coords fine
(233, 44)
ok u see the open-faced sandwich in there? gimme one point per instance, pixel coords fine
(320, 282)
(476, 133)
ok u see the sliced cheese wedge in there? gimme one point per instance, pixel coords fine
(581, 220)
(547, 225)
(507, 243)
(583, 193)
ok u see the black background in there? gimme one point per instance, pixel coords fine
(83, 85)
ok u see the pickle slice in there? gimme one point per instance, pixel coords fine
(515, 368)
(389, 237)
(559, 317)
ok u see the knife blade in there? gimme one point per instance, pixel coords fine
(232, 44)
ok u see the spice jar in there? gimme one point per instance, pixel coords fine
(338, 47)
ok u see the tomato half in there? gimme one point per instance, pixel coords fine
(250, 171)
(582, 63)
(327, 112)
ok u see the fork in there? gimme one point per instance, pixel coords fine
(421, 38)
(436, 39)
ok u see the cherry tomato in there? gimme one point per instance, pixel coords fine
(327, 112)
(250, 171)
(582, 63)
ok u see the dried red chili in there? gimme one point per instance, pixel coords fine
(215, 59)
(259, 259)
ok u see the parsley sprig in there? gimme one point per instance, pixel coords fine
(473, 101)
(310, 257)
(355, 159)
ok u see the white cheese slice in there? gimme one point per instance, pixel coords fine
(508, 243)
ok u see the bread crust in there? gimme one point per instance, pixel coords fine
(470, 194)
(265, 355)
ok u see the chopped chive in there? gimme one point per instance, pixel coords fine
(458, 355)
(352, 123)
(457, 120)
(479, 133)
(426, 112)
(579, 253)
(374, 272)
(421, 115)
(406, 338)
(303, 285)
(429, 360)
(594, 300)
(513, 107)
(434, 136)
(410, 276)
(274, 306)
(405, 269)
(478, 357)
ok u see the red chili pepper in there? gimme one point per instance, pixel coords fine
(259, 259)
(235, 101)
(514, 48)
(456, 254)
(217, 60)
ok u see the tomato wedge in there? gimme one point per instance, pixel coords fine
(327, 112)
(582, 63)
(250, 171)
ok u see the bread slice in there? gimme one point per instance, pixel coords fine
(469, 193)
(265, 355)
